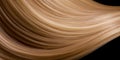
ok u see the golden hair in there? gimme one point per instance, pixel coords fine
(55, 29)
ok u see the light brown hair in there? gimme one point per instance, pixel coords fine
(55, 29)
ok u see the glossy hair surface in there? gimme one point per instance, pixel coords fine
(55, 29)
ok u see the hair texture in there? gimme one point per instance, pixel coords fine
(55, 29)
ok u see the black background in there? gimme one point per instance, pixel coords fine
(109, 2)
(111, 50)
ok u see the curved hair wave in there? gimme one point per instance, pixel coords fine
(55, 29)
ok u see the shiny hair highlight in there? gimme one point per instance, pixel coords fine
(55, 29)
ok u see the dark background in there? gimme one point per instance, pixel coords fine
(109, 2)
(111, 50)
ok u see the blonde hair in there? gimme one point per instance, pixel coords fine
(55, 29)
